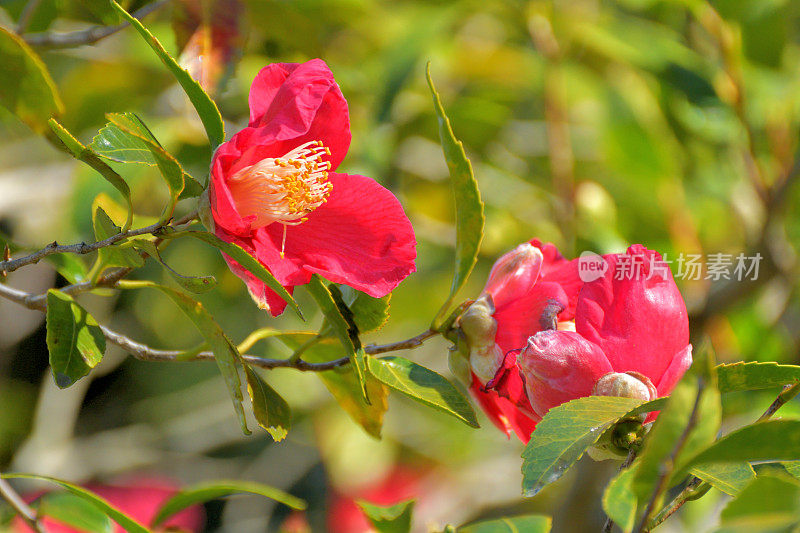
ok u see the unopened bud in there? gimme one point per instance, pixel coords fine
(478, 324)
(627, 385)
(514, 273)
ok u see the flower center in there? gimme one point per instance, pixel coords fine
(283, 189)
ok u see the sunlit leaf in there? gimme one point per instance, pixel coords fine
(389, 519)
(205, 106)
(219, 489)
(119, 255)
(271, 411)
(619, 501)
(730, 478)
(26, 88)
(368, 313)
(74, 339)
(767, 504)
(770, 440)
(130, 525)
(423, 385)
(195, 284)
(514, 524)
(74, 511)
(469, 207)
(754, 375)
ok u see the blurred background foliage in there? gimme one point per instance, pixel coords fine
(590, 123)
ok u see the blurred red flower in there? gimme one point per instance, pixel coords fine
(274, 193)
(547, 330)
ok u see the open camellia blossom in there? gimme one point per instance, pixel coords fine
(140, 499)
(547, 330)
(274, 193)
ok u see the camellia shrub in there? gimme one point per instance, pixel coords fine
(629, 386)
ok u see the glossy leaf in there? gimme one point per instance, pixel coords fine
(195, 284)
(564, 434)
(205, 492)
(70, 266)
(271, 411)
(82, 153)
(26, 88)
(423, 385)
(170, 168)
(238, 254)
(225, 353)
(117, 144)
(515, 524)
(74, 339)
(753, 375)
(469, 207)
(770, 440)
(130, 525)
(340, 319)
(368, 313)
(767, 504)
(730, 478)
(118, 255)
(389, 519)
(619, 500)
(74, 511)
(205, 106)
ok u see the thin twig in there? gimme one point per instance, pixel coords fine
(24, 510)
(146, 353)
(666, 467)
(85, 248)
(26, 15)
(87, 36)
(625, 464)
(697, 486)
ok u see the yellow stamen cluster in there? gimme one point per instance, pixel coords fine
(283, 189)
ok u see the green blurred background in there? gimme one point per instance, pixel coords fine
(591, 124)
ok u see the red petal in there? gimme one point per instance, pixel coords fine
(292, 103)
(360, 237)
(503, 413)
(564, 272)
(680, 363)
(639, 323)
(522, 317)
(559, 366)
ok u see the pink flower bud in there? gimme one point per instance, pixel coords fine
(514, 274)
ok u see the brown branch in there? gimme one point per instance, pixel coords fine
(25, 512)
(146, 353)
(87, 36)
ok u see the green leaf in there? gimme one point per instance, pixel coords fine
(86, 155)
(423, 385)
(343, 384)
(26, 88)
(619, 501)
(68, 265)
(219, 489)
(329, 300)
(531, 523)
(225, 353)
(74, 511)
(751, 376)
(271, 411)
(565, 433)
(205, 106)
(769, 503)
(369, 313)
(168, 166)
(793, 467)
(248, 262)
(195, 284)
(117, 144)
(74, 339)
(770, 440)
(730, 478)
(130, 525)
(469, 207)
(389, 519)
(117, 255)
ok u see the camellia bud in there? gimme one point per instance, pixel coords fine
(479, 328)
(514, 273)
(627, 385)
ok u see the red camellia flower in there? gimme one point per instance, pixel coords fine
(140, 499)
(274, 193)
(547, 330)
